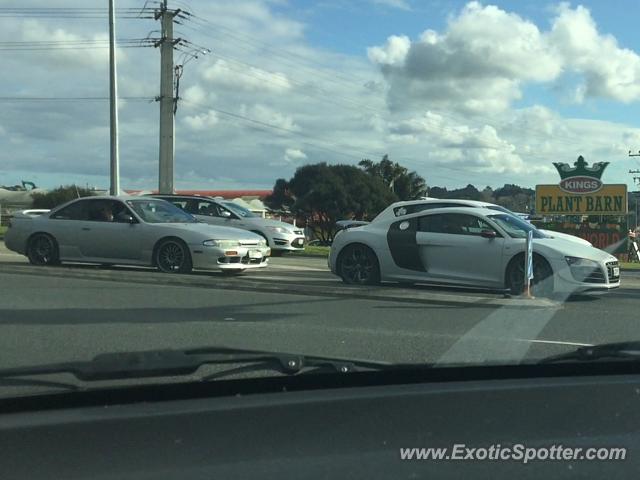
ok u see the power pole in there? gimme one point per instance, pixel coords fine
(114, 188)
(636, 180)
(167, 119)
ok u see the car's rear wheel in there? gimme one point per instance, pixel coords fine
(542, 283)
(172, 256)
(43, 250)
(358, 265)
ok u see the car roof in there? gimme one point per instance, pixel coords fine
(467, 210)
(462, 201)
(111, 197)
(179, 195)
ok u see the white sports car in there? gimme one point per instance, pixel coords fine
(133, 231)
(399, 209)
(468, 246)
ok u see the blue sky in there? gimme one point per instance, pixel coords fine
(492, 95)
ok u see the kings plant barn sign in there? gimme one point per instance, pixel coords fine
(581, 192)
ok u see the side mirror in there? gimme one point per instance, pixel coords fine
(488, 234)
(225, 213)
(130, 219)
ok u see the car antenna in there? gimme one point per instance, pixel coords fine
(77, 191)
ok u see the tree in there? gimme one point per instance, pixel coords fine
(59, 195)
(280, 199)
(323, 194)
(405, 184)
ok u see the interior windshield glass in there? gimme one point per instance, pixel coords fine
(238, 209)
(516, 227)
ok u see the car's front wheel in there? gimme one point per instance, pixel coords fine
(358, 265)
(172, 256)
(542, 283)
(43, 250)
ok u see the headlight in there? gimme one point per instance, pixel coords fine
(221, 243)
(262, 243)
(581, 262)
(279, 229)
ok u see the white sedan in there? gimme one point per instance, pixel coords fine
(468, 246)
(133, 231)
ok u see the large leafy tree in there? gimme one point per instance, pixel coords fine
(407, 185)
(322, 194)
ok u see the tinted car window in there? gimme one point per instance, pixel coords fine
(210, 209)
(453, 224)
(107, 211)
(75, 211)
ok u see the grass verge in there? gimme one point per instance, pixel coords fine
(630, 266)
(312, 251)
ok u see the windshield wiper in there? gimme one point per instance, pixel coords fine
(615, 351)
(168, 362)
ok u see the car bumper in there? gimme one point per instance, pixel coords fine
(569, 282)
(238, 258)
(288, 242)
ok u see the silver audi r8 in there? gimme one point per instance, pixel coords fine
(468, 246)
(133, 231)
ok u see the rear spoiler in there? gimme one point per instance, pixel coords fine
(345, 224)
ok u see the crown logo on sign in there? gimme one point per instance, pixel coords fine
(580, 169)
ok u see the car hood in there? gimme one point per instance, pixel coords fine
(571, 248)
(566, 236)
(210, 232)
(267, 222)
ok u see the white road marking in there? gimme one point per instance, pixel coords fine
(556, 342)
(302, 269)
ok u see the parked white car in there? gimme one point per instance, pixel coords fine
(280, 236)
(133, 231)
(468, 246)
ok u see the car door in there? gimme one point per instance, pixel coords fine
(452, 247)
(111, 237)
(66, 227)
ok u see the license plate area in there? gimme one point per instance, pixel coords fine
(255, 254)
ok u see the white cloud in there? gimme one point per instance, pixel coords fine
(609, 71)
(294, 155)
(265, 114)
(203, 121)
(393, 52)
(230, 75)
(481, 61)
(477, 64)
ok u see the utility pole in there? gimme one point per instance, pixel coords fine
(114, 188)
(636, 180)
(167, 119)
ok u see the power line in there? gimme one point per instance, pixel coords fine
(357, 154)
(68, 99)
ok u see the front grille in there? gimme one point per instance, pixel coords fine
(588, 274)
(610, 273)
(251, 261)
(248, 243)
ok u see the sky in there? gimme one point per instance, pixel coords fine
(461, 92)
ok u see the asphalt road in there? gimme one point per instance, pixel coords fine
(296, 305)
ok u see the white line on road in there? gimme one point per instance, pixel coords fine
(556, 342)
